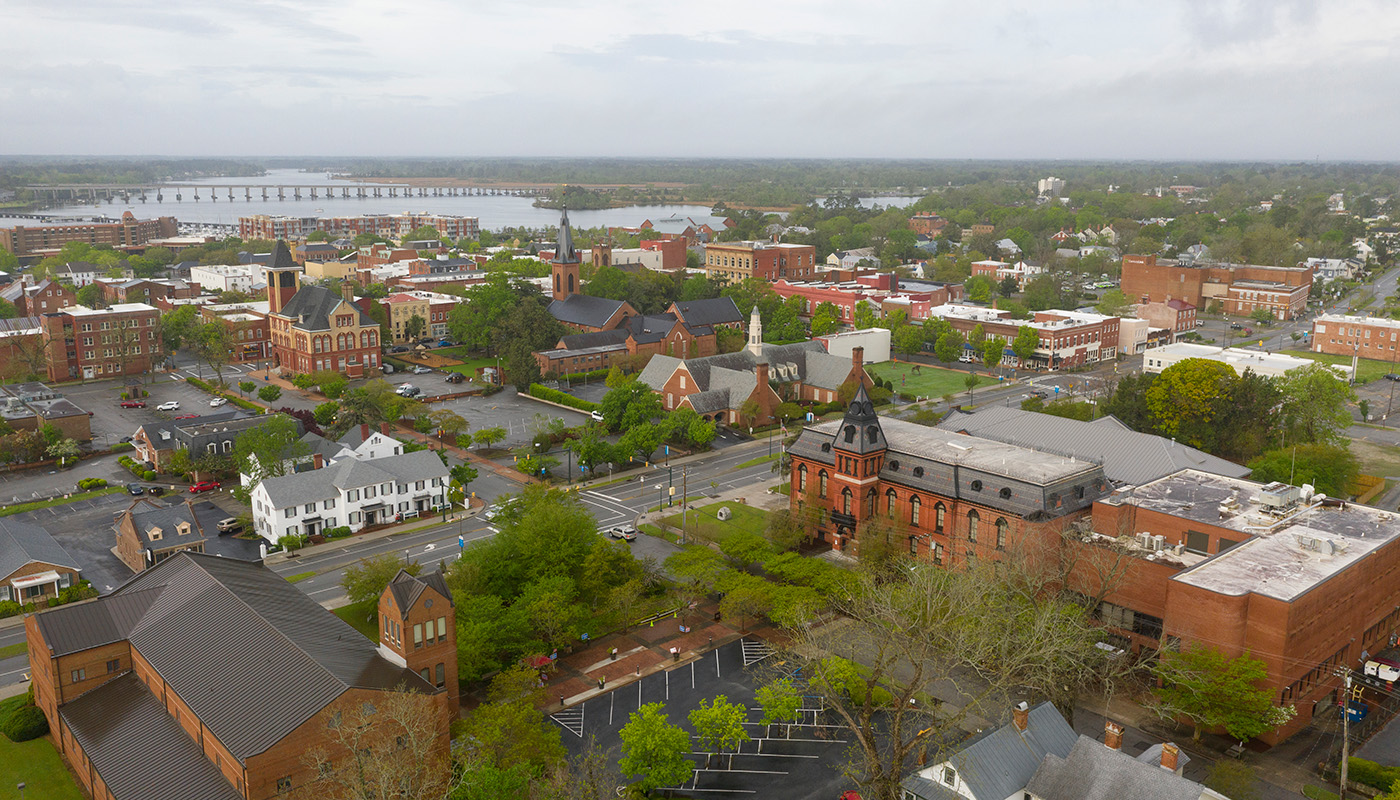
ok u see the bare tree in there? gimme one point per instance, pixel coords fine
(392, 746)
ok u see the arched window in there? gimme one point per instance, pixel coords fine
(821, 476)
(556, 283)
(938, 513)
(871, 498)
(914, 505)
(571, 284)
(972, 521)
(846, 501)
(889, 502)
(1002, 527)
(802, 478)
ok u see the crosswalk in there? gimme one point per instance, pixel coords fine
(755, 651)
(571, 719)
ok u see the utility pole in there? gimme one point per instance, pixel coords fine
(1346, 731)
(685, 505)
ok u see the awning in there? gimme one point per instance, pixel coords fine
(34, 580)
(372, 507)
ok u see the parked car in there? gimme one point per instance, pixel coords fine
(155, 491)
(1391, 376)
(420, 370)
(169, 405)
(399, 349)
(1041, 393)
(1235, 326)
(1248, 331)
(133, 404)
(205, 486)
(135, 490)
(446, 343)
(626, 533)
(596, 416)
(218, 401)
(186, 416)
(455, 377)
(229, 525)
(408, 390)
(125, 440)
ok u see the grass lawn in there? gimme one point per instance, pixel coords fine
(300, 576)
(12, 650)
(59, 501)
(1316, 793)
(469, 366)
(361, 617)
(753, 462)
(1367, 369)
(704, 522)
(1377, 459)
(36, 763)
(927, 382)
(652, 530)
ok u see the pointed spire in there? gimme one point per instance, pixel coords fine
(755, 333)
(564, 245)
(282, 257)
(860, 430)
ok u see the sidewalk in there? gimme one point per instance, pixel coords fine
(407, 526)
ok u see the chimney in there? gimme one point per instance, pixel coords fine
(1169, 754)
(347, 290)
(364, 431)
(762, 373)
(1113, 736)
(316, 461)
(1021, 716)
(384, 428)
(857, 357)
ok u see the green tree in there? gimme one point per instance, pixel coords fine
(949, 346)
(1236, 780)
(487, 437)
(366, 581)
(1042, 293)
(640, 440)
(267, 450)
(826, 319)
(1330, 468)
(7, 309)
(993, 348)
(1315, 404)
(1187, 397)
(246, 387)
(1263, 316)
(325, 413)
(421, 233)
(780, 701)
(269, 393)
(1007, 287)
(908, 340)
(90, 296)
(1128, 402)
(177, 326)
(415, 328)
(980, 288)
(1214, 691)
(719, 725)
(1113, 303)
(64, 450)
(630, 404)
(655, 749)
(864, 316)
(508, 730)
(701, 432)
(212, 343)
(1025, 344)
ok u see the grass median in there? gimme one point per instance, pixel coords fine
(20, 508)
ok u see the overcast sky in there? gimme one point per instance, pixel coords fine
(1249, 79)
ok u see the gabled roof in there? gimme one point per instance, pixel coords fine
(228, 637)
(24, 543)
(147, 515)
(138, 749)
(1002, 762)
(714, 311)
(319, 484)
(1091, 771)
(1127, 456)
(316, 304)
(582, 309)
(408, 588)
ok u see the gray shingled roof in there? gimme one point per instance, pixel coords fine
(1092, 771)
(714, 311)
(582, 309)
(25, 543)
(138, 749)
(1126, 455)
(351, 473)
(231, 636)
(407, 588)
(146, 514)
(1002, 762)
(583, 341)
(317, 303)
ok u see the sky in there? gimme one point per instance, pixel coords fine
(1034, 79)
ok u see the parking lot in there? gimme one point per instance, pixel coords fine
(804, 765)
(506, 409)
(110, 422)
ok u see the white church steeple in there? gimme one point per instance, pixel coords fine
(755, 333)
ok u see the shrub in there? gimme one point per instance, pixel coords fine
(246, 405)
(88, 484)
(290, 543)
(82, 590)
(490, 389)
(121, 447)
(9, 608)
(269, 393)
(205, 385)
(25, 723)
(52, 602)
(337, 533)
(556, 396)
(1372, 774)
(149, 475)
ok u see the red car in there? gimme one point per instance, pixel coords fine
(133, 404)
(205, 486)
(187, 416)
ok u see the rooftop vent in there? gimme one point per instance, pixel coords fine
(1278, 495)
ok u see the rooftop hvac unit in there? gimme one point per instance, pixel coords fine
(1159, 542)
(1278, 495)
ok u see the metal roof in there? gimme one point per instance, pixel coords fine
(1001, 763)
(26, 543)
(251, 655)
(1092, 771)
(138, 749)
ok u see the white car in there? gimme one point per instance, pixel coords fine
(169, 405)
(420, 370)
(596, 415)
(218, 401)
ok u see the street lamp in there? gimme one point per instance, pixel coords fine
(660, 497)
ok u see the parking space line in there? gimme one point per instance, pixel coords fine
(571, 719)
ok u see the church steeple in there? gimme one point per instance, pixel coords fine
(755, 333)
(566, 261)
(860, 430)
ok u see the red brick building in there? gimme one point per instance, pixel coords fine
(1367, 337)
(90, 343)
(1067, 338)
(685, 330)
(130, 235)
(33, 565)
(884, 290)
(32, 299)
(1176, 316)
(735, 261)
(927, 224)
(953, 499)
(417, 626)
(316, 329)
(1239, 288)
(152, 691)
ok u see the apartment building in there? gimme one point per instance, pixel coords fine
(1345, 335)
(1241, 289)
(87, 343)
(227, 277)
(1067, 338)
(771, 261)
(403, 307)
(392, 226)
(130, 235)
(1176, 316)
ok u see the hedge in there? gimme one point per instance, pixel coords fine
(91, 483)
(1372, 774)
(585, 376)
(133, 466)
(122, 447)
(205, 385)
(246, 405)
(25, 723)
(563, 399)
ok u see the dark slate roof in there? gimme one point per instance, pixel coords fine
(138, 749)
(583, 341)
(650, 329)
(146, 514)
(1092, 771)
(282, 257)
(1127, 456)
(812, 363)
(1001, 762)
(564, 245)
(408, 588)
(860, 431)
(229, 637)
(317, 303)
(715, 311)
(582, 309)
(25, 543)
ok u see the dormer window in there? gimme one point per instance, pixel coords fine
(950, 776)
(154, 534)
(182, 529)
(850, 432)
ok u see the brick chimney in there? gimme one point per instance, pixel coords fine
(1021, 716)
(347, 291)
(384, 428)
(857, 357)
(762, 371)
(1169, 757)
(316, 461)
(1113, 735)
(364, 431)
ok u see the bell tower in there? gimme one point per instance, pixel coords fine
(282, 277)
(566, 260)
(418, 629)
